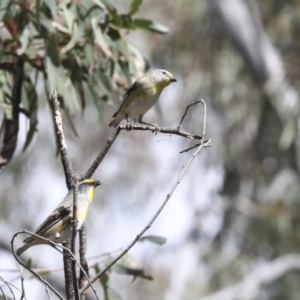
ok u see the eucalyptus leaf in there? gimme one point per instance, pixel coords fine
(61, 28)
(127, 265)
(53, 74)
(158, 240)
(70, 17)
(67, 90)
(104, 282)
(4, 7)
(99, 38)
(30, 104)
(134, 7)
(52, 6)
(150, 25)
(71, 122)
(99, 3)
(113, 294)
(24, 39)
(6, 298)
(78, 32)
(5, 93)
(38, 12)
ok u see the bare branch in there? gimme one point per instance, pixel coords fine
(73, 240)
(129, 127)
(56, 247)
(83, 261)
(3, 293)
(68, 269)
(31, 271)
(8, 285)
(155, 129)
(23, 288)
(47, 290)
(101, 155)
(159, 209)
(249, 287)
(64, 154)
(186, 110)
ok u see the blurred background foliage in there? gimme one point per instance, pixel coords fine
(238, 209)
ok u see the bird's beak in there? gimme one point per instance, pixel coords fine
(97, 182)
(173, 79)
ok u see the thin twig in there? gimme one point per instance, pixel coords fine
(23, 288)
(64, 154)
(159, 209)
(129, 127)
(8, 285)
(206, 144)
(101, 155)
(47, 290)
(156, 129)
(55, 246)
(32, 272)
(186, 110)
(4, 296)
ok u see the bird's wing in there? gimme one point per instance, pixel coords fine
(132, 89)
(56, 216)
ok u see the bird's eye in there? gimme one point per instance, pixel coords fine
(164, 72)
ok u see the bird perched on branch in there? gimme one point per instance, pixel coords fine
(58, 226)
(142, 95)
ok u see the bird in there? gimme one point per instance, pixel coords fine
(58, 226)
(142, 95)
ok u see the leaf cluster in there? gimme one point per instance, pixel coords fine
(75, 47)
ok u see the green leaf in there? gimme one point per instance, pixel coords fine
(118, 43)
(70, 17)
(104, 282)
(78, 32)
(52, 63)
(128, 266)
(105, 80)
(53, 73)
(52, 5)
(61, 28)
(150, 25)
(30, 104)
(38, 12)
(158, 240)
(116, 19)
(66, 89)
(99, 38)
(134, 7)
(99, 3)
(52, 50)
(113, 294)
(5, 298)
(5, 93)
(24, 39)
(4, 7)
(71, 122)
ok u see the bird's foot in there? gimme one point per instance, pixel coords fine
(129, 126)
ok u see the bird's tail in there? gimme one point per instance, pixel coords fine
(23, 248)
(116, 121)
(29, 242)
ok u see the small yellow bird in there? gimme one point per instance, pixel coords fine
(58, 227)
(142, 95)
